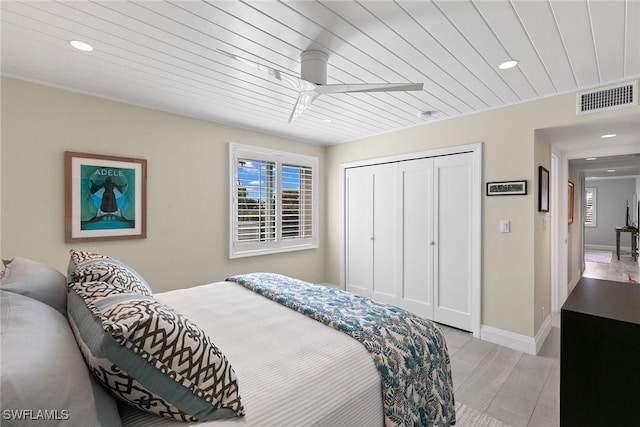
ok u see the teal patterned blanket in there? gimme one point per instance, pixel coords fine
(409, 352)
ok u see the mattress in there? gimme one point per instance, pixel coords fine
(291, 369)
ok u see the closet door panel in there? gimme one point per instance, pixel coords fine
(417, 236)
(359, 230)
(452, 291)
(408, 235)
(385, 242)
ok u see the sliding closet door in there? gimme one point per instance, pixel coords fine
(371, 214)
(452, 227)
(408, 235)
(386, 213)
(417, 237)
(359, 230)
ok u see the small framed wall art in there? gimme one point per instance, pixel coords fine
(571, 200)
(105, 197)
(543, 189)
(507, 188)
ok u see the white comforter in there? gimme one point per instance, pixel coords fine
(292, 370)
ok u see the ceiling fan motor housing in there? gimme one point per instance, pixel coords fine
(314, 66)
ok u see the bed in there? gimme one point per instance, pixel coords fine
(286, 360)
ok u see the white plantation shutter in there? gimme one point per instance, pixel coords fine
(273, 201)
(297, 201)
(256, 209)
(590, 207)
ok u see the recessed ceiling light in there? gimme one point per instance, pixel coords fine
(609, 135)
(591, 158)
(508, 64)
(611, 170)
(85, 47)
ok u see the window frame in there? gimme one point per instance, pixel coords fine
(594, 205)
(238, 248)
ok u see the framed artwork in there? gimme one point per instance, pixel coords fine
(105, 197)
(571, 196)
(543, 189)
(507, 188)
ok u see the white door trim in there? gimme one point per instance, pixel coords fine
(560, 287)
(476, 216)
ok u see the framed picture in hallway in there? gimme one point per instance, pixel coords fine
(571, 200)
(507, 188)
(105, 197)
(543, 189)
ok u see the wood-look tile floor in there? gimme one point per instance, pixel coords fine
(515, 388)
(618, 270)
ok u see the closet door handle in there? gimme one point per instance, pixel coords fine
(432, 243)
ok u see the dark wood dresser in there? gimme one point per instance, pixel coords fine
(600, 355)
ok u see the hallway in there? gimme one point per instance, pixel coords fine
(619, 271)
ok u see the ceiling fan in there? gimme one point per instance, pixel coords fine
(313, 80)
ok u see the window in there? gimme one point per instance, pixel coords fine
(590, 206)
(273, 201)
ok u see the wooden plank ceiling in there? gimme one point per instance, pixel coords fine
(166, 55)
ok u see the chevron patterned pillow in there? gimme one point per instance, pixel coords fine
(147, 354)
(112, 272)
(91, 267)
(79, 257)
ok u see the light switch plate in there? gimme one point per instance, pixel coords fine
(504, 225)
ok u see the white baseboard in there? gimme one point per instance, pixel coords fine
(543, 333)
(523, 343)
(572, 284)
(600, 247)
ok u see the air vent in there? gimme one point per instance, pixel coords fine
(607, 98)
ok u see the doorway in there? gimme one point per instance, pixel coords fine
(573, 143)
(609, 209)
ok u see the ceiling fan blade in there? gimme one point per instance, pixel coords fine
(315, 66)
(305, 99)
(288, 79)
(381, 87)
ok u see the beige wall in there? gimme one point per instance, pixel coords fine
(187, 191)
(542, 236)
(187, 231)
(1, 256)
(574, 235)
(515, 266)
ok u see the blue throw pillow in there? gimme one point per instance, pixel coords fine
(44, 379)
(36, 280)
